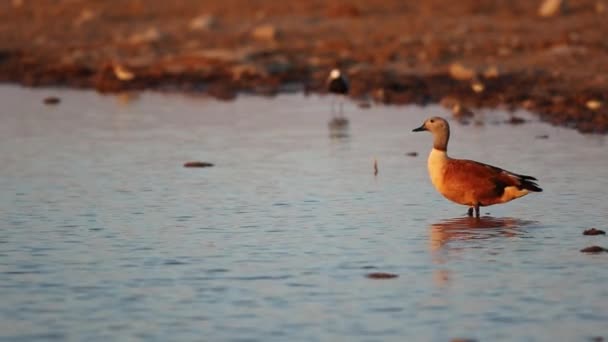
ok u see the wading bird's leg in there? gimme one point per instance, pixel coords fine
(477, 210)
(470, 212)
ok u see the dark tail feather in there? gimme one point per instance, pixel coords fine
(529, 183)
(524, 177)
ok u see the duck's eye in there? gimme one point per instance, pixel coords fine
(432, 121)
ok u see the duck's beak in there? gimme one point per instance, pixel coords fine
(420, 129)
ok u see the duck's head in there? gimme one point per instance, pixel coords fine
(434, 125)
(440, 129)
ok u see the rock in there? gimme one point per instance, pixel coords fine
(85, 16)
(51, 100)
(491, 72)
(460, 112)
(203, 23)
(600, 7)
(122, 73)
(460, 72)
(550, 8)
(381, 275)
(412, 154)
(17, 3)
(515, 120)
(152, 34)
(343, 10)
(593, 104)
(594, 231)
(594, 249)
(197, 164)
(222, 91)
(240, 71)
(449, 101)
(265, 32)
(478, 87)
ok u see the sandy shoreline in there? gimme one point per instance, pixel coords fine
(479, 53)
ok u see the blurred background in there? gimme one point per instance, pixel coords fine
(548, 56)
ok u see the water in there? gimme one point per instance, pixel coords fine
(105, 236)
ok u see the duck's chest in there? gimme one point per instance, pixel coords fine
(436, 164)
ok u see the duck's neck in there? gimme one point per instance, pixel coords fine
(440, 141)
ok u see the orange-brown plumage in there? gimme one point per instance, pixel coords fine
(469, 182)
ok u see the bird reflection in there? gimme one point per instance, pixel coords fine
(338, 128)
(465, 229)
(471, 228)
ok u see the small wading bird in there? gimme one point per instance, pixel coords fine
(337, 84)
(469, 182)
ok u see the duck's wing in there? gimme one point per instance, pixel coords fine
(486, 179)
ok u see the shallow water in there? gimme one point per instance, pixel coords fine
(105, 236)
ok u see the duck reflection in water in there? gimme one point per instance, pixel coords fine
(467, 229)
(472, 228)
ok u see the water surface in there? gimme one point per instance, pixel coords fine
(105, 236)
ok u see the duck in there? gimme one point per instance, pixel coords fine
(469, 182)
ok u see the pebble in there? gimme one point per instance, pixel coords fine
(122, 73)
(594, 249)
(381, 275)
(203, 23)
(265, 32)
(152, 34)
(460, 72)
(515, 120)
(491, 72)
(593, 104)
(478, 87)
(550, 8)
(197, 164)
(85, 16)
(594, 231)
(51, 100)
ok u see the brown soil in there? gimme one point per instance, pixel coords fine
(475, 52)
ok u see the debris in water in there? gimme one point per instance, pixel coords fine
(515, 120)
(412, 154)
(52, 100)
(542, 136)
(594, 231)
(364, 104)
(197, 164)
(375, 167)
(594, 249)
(381, 275)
